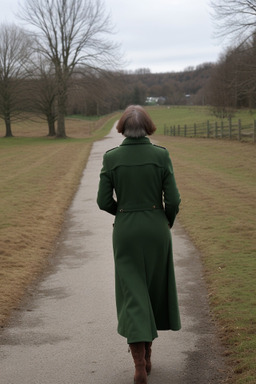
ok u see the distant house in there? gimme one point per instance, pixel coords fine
(151, 100)
(155, 100)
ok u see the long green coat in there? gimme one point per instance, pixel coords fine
(145, 203)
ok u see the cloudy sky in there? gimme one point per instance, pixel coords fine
(162, 35)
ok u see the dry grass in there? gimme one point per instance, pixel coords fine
(217, 181)
(38, 177)
(75, 127)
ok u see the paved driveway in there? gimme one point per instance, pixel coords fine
(66, 331)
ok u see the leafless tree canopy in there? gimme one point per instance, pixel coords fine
(15, 50)
(234, 19)
(72, 32)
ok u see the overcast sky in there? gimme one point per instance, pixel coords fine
(162, 35)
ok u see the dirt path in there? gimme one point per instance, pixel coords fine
(66, 332)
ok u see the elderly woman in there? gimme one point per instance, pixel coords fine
(145, 206)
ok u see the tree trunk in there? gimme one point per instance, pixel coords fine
(8, 127)
(51, 126)
(61, 130)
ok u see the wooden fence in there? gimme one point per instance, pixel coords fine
(217, 130)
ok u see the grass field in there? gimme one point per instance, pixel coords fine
(217, 182)
(180, 115)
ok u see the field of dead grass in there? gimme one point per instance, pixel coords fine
(38, 178)
(76, 127)
(217, 182)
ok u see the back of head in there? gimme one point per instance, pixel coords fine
(135, 122)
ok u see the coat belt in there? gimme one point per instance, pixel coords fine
(139, 209)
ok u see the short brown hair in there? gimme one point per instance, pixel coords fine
(136, 122)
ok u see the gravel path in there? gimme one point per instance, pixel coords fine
(66, 331)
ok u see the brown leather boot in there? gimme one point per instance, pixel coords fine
(148, 357)
(138, 354)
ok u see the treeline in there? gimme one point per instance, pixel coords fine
(112, 91)
(28, 85)
(232, 82)
(226, 85)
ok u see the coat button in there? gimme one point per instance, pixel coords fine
(154, 206)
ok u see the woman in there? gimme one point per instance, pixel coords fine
(145, 206)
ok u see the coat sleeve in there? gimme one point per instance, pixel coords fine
(105, 199)
(170, 192)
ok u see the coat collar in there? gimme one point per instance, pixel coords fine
(135, 140)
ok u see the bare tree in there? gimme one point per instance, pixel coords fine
(236, 22)
(15, 54)
(71, 33)
(235, 19)
(221, 88)
(45, 100)
(42, 92)
(249, 72)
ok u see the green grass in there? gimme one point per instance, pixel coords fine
(107, 126)
(82, 117)
(89, 118)
(181, 115)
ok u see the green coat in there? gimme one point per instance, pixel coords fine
(145, 203)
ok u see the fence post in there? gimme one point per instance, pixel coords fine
(185, 130)
(221, 129)
(195, 129)
(216, 129)
(254, 131)
(178, 130)
(208, 129)
(230, 128)
(239, 130)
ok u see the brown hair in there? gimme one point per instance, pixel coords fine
(135, 122)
